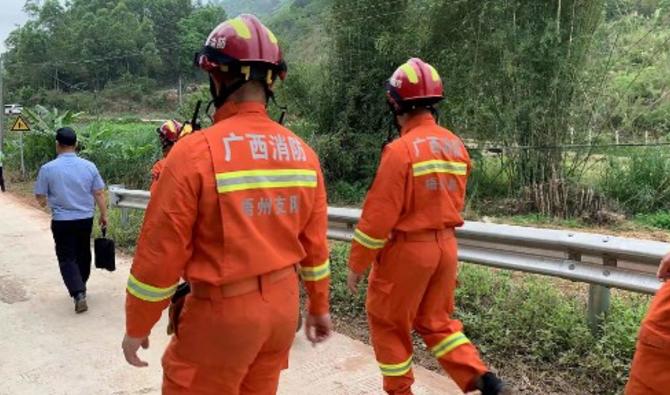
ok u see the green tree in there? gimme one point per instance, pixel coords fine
(367, 46)
(82, 45)
(166, 16)
(193, 31)
(514, 75)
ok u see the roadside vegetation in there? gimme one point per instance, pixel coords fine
(530, 328)
(564, 106)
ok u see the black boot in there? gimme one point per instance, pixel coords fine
(490, 384)
(80, 304)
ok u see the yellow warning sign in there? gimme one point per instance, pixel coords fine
(20, 125)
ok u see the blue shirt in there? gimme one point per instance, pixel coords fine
(69, 183)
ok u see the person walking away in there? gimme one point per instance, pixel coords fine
(71, 186)
(407, 229)
(247, 211)
(650, 371)
(2, 178)
(168, 134)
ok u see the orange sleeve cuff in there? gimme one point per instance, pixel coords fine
(141, 316)
(361, 258)
(319, 296)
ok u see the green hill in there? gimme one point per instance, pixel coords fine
(260, 8)
(299, 24)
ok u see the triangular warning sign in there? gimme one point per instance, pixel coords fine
(20, 125)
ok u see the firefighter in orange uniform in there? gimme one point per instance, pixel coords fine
(168, 134)
(650, 373)
(247, 212)
(406, 233)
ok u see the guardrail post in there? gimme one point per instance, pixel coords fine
(599, 298)
(114, 200)
(125, 216)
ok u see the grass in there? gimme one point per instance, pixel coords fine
(533, 324)
(124, 232)
(658, 220)
(528, 329)
(538, 219)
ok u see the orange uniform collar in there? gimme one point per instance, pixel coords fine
(233, 108)
(416, 121)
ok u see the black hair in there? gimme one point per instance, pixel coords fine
(66, 137)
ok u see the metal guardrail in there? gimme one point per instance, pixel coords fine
(602, 261)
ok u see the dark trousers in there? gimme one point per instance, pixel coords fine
(2, 181)
(73, 249)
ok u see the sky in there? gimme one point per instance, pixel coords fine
(11, 14)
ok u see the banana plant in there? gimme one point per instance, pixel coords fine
(45, 121)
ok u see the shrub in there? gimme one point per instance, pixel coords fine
(659, 219)
(123, 152)
(39, 145)
(124, 234)
(640, 182)
(488, 179)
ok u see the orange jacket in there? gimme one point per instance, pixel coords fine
(420, 185)
(156, 172)
(252, 200)
(659, 311)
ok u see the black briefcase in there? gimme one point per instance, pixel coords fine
(104, 252)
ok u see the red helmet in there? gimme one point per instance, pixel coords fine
(239, 42)
(169, 132)
(414, 84)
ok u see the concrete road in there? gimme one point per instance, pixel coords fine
(46, 349)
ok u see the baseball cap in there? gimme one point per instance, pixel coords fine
(66, 137)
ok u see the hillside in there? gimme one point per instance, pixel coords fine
(257, 7)
(300, 26)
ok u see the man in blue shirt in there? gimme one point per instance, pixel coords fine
(71, 186)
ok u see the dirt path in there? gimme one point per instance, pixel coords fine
(47, 349)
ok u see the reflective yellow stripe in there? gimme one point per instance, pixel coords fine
(253, 173)
(434, 73)
(399, 369)
(412, 76)
(273, 38)
(148, 292)
(449, 343)
(261, 179)
(240, 27)
(170, 125)
(439, 166)
(367, 241)
(316, 273)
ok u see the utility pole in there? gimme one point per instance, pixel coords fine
(179, 91)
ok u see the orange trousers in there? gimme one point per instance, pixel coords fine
(236, 345)
(650, 372)
(412, 287)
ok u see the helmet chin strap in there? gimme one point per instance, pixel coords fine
(436, 114)
(390, 135)
(395, 113)
(224, 92)
(219, 98)
(270, 96)
(209, 115)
